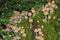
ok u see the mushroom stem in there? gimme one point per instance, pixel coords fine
(36, 33)
(30, 25)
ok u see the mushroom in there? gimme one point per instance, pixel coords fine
(40, 32)
(44, 20)
(53, 2)
(30, 20)
(39, 29)
(37, 21)
(59, 33)
(54, 17)
(29, 14)
(45, 12)
(24, 35)
(26, 17)
(49, 17)
(16, 38)
(36, 30)
(33, 10)
(42, 26)
(21, 32)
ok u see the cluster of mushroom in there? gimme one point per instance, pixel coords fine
(18, 16)
(49, 9)
(27, 14)
(39, 34)
(16, 31)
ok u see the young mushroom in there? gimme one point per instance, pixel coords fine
(36, 30)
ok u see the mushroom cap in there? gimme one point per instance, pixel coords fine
(45, 12)
(21, 32)
(42, 26)
(38, 38)
(22, 27)
(53, 1)
(40, 32)
(7, 29)
(37, 21)
(59, 33)
(10, 35)
(49, 17)
(26, 17)
(41, 38)
(29, 14)
(16, 31)
(56, 6)
(44, 20)
(49, 3)
(30, 20)
(36, 30)
(16, 37)
(39, 29)
(54, 17)
(24, 34)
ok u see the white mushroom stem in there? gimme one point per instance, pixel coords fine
(30, 25)
(36, 33)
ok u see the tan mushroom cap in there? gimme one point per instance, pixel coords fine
(44, 20)
(42, 38)
(39, 29)
(46, 5)
(14, 28)
(22, 27)
(16, 37)
(7, 29)
(3, 29)
(47, 9)
(29, 14)
(16, 31)
(45, 12)
(40, 32)
(49, 3)
(19, 28)
(23, 30)
(30, 20)
(38, 38)
(15, 11)
(24, 34)
(33, 10)
(43, 9)
(53, 1)
(36, 30)
(49, 17)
